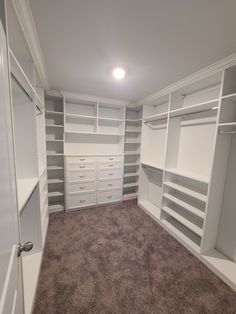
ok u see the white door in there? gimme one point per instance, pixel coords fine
(11, 299)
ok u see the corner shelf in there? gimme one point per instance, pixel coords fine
(188, 175)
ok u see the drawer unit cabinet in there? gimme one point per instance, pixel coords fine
(92, 180)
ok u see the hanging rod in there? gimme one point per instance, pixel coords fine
(25, 91)
(227, 132)
(159, 127)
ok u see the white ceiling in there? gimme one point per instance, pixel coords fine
(159, 41)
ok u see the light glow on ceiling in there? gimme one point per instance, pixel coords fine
(119, 73)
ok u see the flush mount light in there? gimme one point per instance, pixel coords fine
(118, 73)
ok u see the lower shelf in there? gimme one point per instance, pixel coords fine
(130, 196)
(152, 209)
(56, 207)
(31, 267)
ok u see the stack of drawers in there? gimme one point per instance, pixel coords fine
(92, 180)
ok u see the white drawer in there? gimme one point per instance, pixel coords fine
(109, 196)
(111, 165)
(81, 200)
(110, 174)
(110, 158)
(81, 186)
(81, 166)
(109, 184)
(81, 175)
(84, 159)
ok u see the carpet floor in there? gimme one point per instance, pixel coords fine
(116, 260)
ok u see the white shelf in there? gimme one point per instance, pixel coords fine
(185, 205)
(189, 240)
(130, 196)
(130, 185)
(231, 97)
(156, 117)
(133, 120)
(60, 141)
(94, 133)
(55, 194)
(188, 175)
(56, 208)
(54, 126)
(55, 181)
(153, 210)
(227, 124)
(186, 191)
(25, 188)
(31, 264)
(195, 108)
(131, 164)
(188, 224)
(131, 153)
(53, 112)
(78, 116)
(133, 131)
(55, 168)
(132, 142)
(110, 119)
(152, 165)
(131, 174)
(54, 154)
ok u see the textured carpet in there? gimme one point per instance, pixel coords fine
(117, 260)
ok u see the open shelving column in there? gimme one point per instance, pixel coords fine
(132, 144)
(54, 117)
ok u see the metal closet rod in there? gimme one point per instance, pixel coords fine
(25, 91)
(227, 132)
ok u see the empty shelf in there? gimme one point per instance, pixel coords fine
(54, 126)
(53, 112)
(152, 165)
(186, 191)
(131, 174)
(188, 175)
(57, 207)
(110, 119)
(25, 187)
(185, 205)
(55, 194)
(78, 116)
(130, 185)
(132, 153)
(55, 168)
(130, 164)
(227, 124)
(52, 181)
(54, 140)
(94, 133)
(132, 142)
(188, 224)
(133, 131)
(130, 196)
(54, 154)
(152, 209)
(231, 97)
(156, 117)
(134, 120)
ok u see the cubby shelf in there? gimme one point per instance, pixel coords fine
(133, 120)
(56, 207)
(152, 165)
(133, 131)
(56, 141)
(156, 117)
(53, 112)
(54, 126)
(185, 205)
(187, 174)
(110, 119)
(186, 191)
(131, 153)
(191, 226)
(52, 168)
(130, 185)
(54, 154)
(94, 133)
(227, 124)
(131, 174)
(132, 142)
(25, 188)
(55, 181)
(204, 106)
(129, 196)
(55, 194)
(131, 164)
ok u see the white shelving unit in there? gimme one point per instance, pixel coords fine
(54, 119)
(132, 143)
(187, 174)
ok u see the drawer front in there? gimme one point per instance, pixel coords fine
(81, 165)
(109, 196)
(81, 200)
(81, 175)
(81, 186)
(110, 174)
(111, 165)
(110, 159)
(83, 159)
(109, 184)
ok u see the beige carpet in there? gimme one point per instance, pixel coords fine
(117, 260)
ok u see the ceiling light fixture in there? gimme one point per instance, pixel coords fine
(118, 73)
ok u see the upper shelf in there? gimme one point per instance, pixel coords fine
(152, 165)
(25, 187)
(155, 117)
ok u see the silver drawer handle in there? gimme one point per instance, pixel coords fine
(81, 176)
(109, 196)
(82, 166)
(111, 165)
(82, 187)
(110, 184)
(110, 174)
(82, 159)
(82, 201)
(111, 158)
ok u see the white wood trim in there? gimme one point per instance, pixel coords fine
(26, 20)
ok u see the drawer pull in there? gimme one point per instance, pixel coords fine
(109, 184)
(111, 158)
(111, 165)
(81, 176)
(82, 166)
(110, 174)
(109, 196)
(82, 187)
(82, 201)
(82, 159)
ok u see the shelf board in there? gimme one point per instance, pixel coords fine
(110, 119)
(55, 194)
(152, 165)
(131, 174)
(197, 212)
(231, 97)
(94, 133)
(55, 141)
(54, 154)
(186, 191)
(129, 196)
(130, 185)
(79, 116)
(57, 207)
(132, 142)
(188, 224)
(55, 168)
(31, 264)
(189, 240)
(153, 210)
(54, 126)
(195, 108)
(133, 131)
(131, 153)
(54, 112)
(188, 175)
(227, 124)
(55, 181)
(25, 188)
(130, 164)
(133, 120)
(156, 117)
